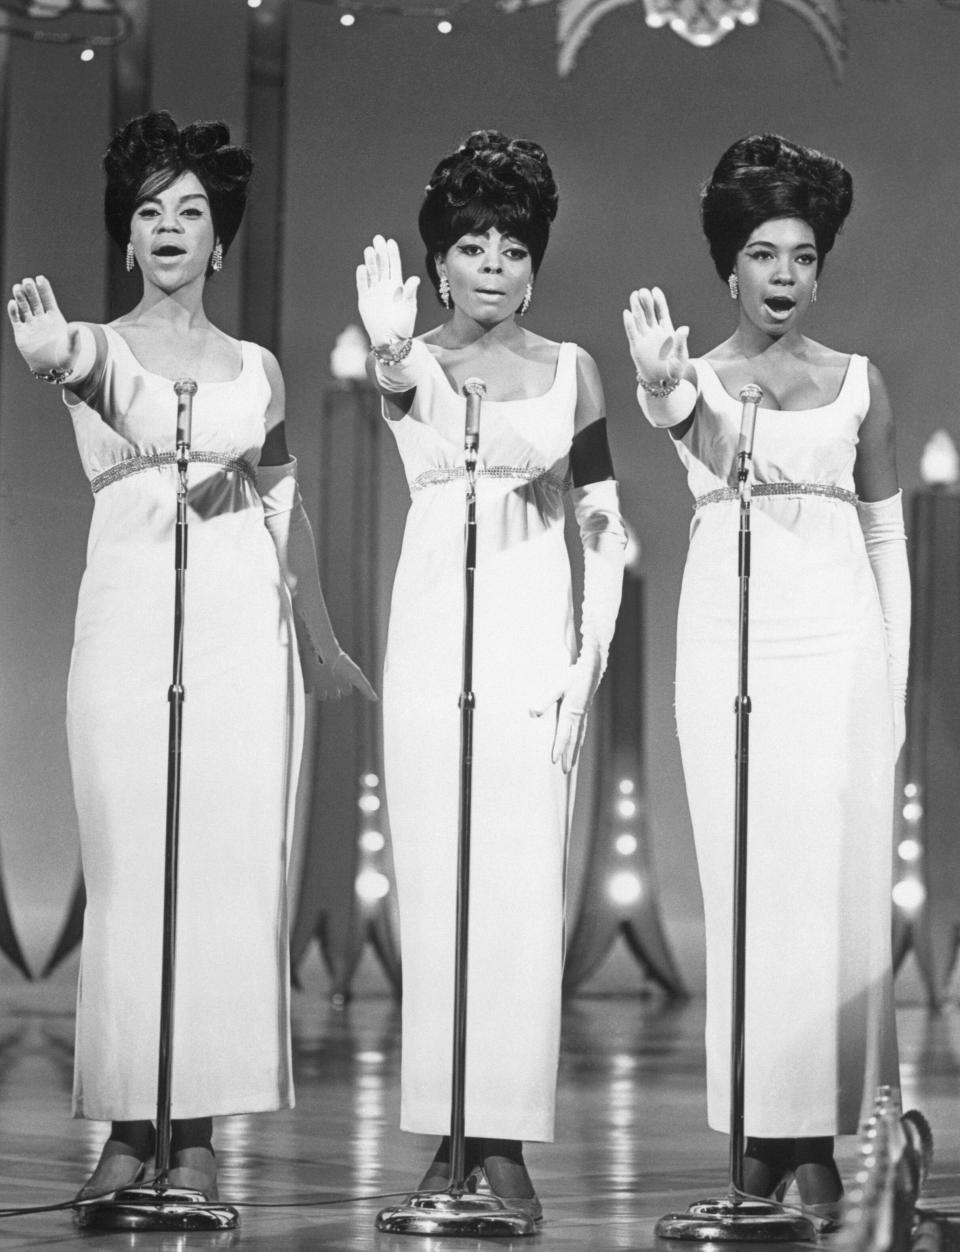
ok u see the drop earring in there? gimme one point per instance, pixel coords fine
(734, 286)
(216, 257)
(130, 257)
(443, 291)
(813, 297)
(527, 299)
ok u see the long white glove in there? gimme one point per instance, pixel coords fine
(602, 533)
(327, 670)
(882, 524)
(664, 391)
(388, 308)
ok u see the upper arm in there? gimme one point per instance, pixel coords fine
(590, 459)
(274, 451)
(875, 469)
(590, 402)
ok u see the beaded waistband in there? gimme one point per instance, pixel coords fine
(828, 490)
(157, 460)
(457, 473)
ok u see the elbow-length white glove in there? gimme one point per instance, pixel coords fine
(327, 670)
(604, 538)
(886, 542)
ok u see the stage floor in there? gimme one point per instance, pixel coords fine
(632, 1143)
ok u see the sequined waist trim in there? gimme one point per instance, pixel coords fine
(778, 489)
(457, 473)
(158, 460)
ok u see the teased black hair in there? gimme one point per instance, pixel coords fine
(150, 152)
(490, 181)
(766, 176)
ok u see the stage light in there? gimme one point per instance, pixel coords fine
(909, 850)
(368, 804)
(624, 887)
(347, 19)
(254, 4)
(626, 786)
(444, 27)
(909, 894)
(370, 780)
(372, 885)
(626, 808)
(913, 811)
(626, 845)
(372, 841)
(87, 54)
(910, 790)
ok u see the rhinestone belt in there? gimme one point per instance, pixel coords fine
(157, 460)
(457, 473)
(778, 489)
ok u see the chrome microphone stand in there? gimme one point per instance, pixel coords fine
(736, 1217)
(157, 1205)
(457, 1211)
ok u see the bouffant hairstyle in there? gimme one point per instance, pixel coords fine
(150, 152)
(490, 181)
(763, 177)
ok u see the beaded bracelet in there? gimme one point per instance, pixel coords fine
(58, 376)
(393, 351)
(659, 389)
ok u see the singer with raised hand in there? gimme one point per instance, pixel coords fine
(829, 626)
(485, 221)
(174, 201)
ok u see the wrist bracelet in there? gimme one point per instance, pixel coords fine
(58, 376)
(393, 351)
(659, 389)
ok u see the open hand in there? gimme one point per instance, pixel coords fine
(44, 337)
(387, 304)
(659, 352)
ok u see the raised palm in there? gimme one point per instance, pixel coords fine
(387, 304)
(44, 337)
(659, 351)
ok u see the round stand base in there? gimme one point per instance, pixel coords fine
(157, 1208)
(442, 1213)
(732, 1220)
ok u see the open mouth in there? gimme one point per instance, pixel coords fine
(780, 304)
(168, 249)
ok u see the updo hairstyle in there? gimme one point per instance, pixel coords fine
(763, 177)
(490, 181)
(150, 153)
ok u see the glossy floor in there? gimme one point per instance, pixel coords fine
(632, 1144)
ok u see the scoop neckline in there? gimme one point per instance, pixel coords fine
(819, 408)
(221, 382)
(520, 399)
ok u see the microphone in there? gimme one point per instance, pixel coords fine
(750, 397)
(186, 389)
(474, 389)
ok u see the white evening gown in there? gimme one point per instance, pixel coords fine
(524, 637)
(820, 1031)
(242, 728)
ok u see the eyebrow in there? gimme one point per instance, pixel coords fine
(765, 243)
(192, 195)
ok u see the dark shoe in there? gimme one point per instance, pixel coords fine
(437, 1177)
(195, 1169)
(506, 1175)
(821, 1194)
(121, 1165)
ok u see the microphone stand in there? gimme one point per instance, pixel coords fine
(157, 1205)
(457, 1211)
(735, 1217)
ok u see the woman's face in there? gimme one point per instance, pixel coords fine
(488, 274)
(172, 233)
(776, 270)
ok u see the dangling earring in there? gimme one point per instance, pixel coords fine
(216, 257)
(443, 291)
(813, 298)
(734, 286)
(130, 257)
(527, 298)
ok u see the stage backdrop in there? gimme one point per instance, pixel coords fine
(632, 133)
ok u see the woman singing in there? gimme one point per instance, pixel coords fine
(485, 222)
(829, 625)
(174, 201)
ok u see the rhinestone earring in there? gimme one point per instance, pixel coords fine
(443, 291)
(734, 286)
(527, 299)
(216, 258)
(130, 257)
(813, 298)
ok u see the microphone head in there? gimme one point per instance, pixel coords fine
(185, 387)
(475, 387)
(751, 394)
